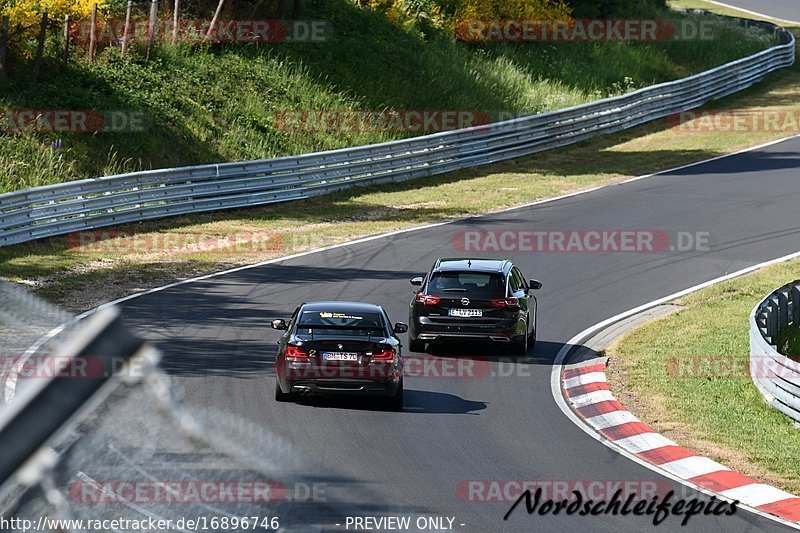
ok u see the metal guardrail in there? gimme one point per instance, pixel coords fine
(776, 376)
(95, 203)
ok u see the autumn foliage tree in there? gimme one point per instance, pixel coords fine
(513, 9)
(28, 19)
(25, 15)
(450, 13)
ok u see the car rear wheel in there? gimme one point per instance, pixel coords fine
(281, 396)
(395, 402)
(520, 348)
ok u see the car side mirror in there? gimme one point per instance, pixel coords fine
(535, 285)
(400, 328)
(417, 282)
(279, 324)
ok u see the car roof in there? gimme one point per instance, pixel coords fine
(468, 264)
(350, 307)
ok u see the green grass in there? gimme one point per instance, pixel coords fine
(208, 104)
(723, 415)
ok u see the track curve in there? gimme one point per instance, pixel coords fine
(788, 10)
(496, 427)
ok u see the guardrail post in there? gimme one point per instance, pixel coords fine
(783, 310)
(772, 320)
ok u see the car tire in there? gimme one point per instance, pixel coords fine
(395, 402)
(416, 345)
(281, 396)
(520, 348)
(532, 339)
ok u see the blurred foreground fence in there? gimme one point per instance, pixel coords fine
(93, 428)
(95, 203)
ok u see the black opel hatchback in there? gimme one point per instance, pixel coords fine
(466, 299)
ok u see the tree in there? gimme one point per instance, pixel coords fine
(513, 9)
(32, 19)
(26, 15)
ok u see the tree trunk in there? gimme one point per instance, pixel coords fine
(214, 20)
(37, 61)
(93, 34)
(175, 14)
(4, 48)
(151, 28)
(65, 53)
(127, 30)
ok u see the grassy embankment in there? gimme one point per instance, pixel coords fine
(688, 376)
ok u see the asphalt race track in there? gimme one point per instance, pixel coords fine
(217, 339)
(783, 9)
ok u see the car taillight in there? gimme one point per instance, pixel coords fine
(386, 355)
(293, 352)
(506, 302)
(425, 299)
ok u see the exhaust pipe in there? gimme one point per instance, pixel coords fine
(500, 339)
(304, 391)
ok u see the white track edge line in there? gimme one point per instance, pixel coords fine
(436, 224)
(558, 397)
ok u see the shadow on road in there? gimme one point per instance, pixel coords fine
(416, 401)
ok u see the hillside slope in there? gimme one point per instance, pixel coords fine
(213, 103)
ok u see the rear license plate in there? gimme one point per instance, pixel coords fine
(340, 356)
(466, 312)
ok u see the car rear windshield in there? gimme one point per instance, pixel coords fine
(339, 323)
(482, 285)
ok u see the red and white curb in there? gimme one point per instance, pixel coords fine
(586, 388)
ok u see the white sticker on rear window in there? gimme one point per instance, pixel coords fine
(340, 315)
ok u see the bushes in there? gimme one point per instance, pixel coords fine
(444, 14)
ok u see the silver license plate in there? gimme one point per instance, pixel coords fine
(466, 312)
(340, 356)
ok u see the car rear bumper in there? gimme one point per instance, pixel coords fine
(328, 387)
(507, 331)
(445, 337)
